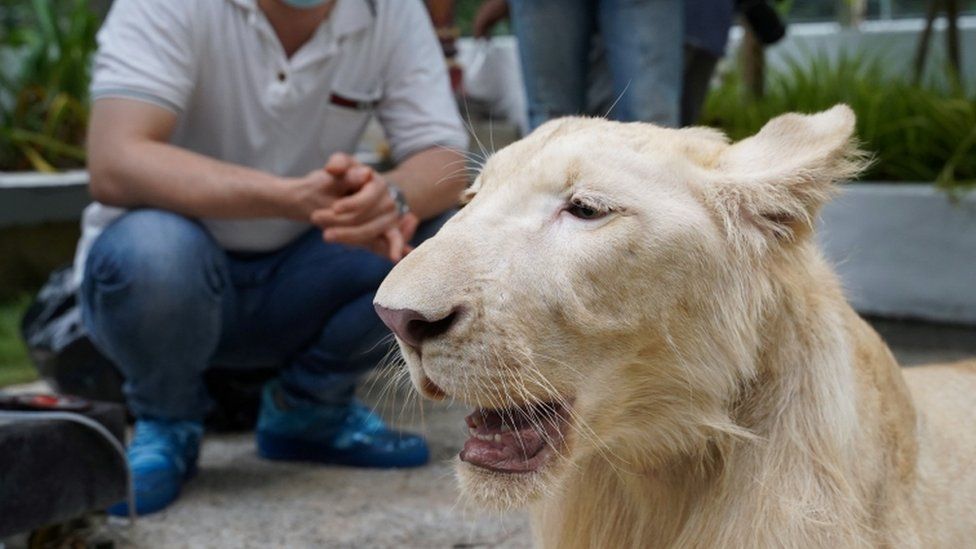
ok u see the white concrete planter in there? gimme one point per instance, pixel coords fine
(28, 198)
(904, 250)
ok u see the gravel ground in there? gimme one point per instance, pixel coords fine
(240, 500)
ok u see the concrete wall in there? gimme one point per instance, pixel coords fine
(31, 198)
(904, 250)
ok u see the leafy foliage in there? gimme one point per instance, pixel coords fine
(916, 133)
(465, 11)
(45, 67)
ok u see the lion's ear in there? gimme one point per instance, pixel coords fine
(778, 179)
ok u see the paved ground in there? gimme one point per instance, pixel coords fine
(241, 501)
(249, 502)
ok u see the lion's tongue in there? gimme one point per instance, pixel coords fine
(501, 446)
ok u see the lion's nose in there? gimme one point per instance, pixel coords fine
(413, 327)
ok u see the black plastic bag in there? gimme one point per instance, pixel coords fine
(60, 348)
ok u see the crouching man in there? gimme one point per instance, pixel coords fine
(231, 229)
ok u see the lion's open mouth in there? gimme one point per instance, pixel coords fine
(515, 440)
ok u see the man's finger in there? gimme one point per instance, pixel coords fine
(361, 234)
(373, 192)
(339, 163)
(328, 217)
(322, 217)
(408, 226)
(360, 174)
(395, 239)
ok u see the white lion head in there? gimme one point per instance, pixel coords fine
(601, 295)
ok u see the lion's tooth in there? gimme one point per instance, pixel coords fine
(498, 438)
(472, 432)
(505, 428)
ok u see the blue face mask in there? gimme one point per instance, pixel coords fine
(304, 4)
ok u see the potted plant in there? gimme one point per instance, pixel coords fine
(904, 238)
(45, 65)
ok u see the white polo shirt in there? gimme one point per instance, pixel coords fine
(219, 66)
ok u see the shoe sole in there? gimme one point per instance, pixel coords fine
(155, 503)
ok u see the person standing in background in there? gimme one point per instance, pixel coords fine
(551, 57)
(707, 24)
(642, 45)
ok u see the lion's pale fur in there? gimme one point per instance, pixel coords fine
(723, 392)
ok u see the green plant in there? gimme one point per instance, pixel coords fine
(465, 11)
(915, 132)
(44, 75)
(15, 367)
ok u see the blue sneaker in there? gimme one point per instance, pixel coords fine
(162, 455)
(342, 435)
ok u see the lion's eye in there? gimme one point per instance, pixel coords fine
(584, 211)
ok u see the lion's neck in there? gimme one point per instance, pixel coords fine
(804, 481)
(600, 506)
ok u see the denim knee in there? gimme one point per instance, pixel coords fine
(152, 300)
(162, 257)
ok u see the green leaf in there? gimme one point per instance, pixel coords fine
(36, 160)
(24, 137)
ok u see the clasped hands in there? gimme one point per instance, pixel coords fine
(351, 203)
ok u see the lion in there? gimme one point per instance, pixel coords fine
(658, 355)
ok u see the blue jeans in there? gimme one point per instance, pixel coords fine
(643, 42)
(165, 302)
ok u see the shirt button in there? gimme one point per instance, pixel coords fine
(282, 76)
